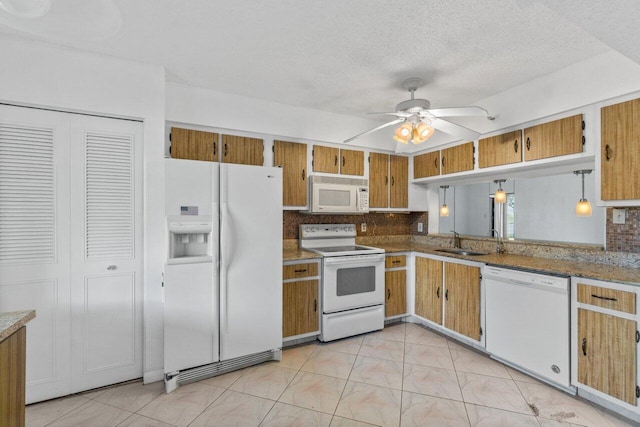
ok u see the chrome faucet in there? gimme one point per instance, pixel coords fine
(499, 249)
(456, 239)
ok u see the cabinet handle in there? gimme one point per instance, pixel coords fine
(303, 174)
(584, 346)
(300, 271)
(607, 152)
(335, 161)
(225, 150)
(315, 305)
(438, 292)
(393, 181)
(515, 146)
(435, 163)
(604, 298)
(111, 267)
(214, 148)
(446, 295)
(528, 144)
(344, 160)
(386, 180)
(397, 261)
(388, 293)
(443, 163)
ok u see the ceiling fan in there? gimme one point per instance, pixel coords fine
(418, 121)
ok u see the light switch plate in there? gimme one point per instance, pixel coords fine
(420, 227)
(619, 216)
(363, 227)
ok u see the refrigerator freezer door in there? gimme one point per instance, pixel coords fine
(251, 260)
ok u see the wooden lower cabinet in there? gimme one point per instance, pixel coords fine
(395, 284)
(300, 298)
(428, 289)
(462, 299)
(607, 354)
(300, 307)
(12, 378)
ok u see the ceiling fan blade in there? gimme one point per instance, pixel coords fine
(457, 112)
(397, 114)
(454, 129)
(391, 123)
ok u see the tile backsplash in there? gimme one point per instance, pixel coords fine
(388, 224)
(624, 237)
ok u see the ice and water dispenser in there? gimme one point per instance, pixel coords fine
(189, 239)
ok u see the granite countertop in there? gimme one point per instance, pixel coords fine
(11, 322)
(298, 254)
(596, 271)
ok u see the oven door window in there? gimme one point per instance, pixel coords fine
(355, 280)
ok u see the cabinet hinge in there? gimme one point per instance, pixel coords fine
(273, 148)
(481, 331)
(369, 159)
(637, 336)
(480, 276)
(637, 391)
(169, 136)
(583, 139)
(583, 125)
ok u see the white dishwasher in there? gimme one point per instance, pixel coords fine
(527, 322)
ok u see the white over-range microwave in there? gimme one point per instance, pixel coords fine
(338, 195)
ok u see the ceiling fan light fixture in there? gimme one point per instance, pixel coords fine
(403, 133)
(422, 132)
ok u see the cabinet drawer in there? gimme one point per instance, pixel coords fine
(608, 298)
(394, 261)
(299, 270)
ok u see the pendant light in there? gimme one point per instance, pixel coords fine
(500, 196)
(583, 207)
(444, 209)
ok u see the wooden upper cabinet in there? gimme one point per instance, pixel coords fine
(242, 150)
(457, 159)
(500, 149)
(378, 180)
(352, 162)
(194, 145)
(426, 165)
(557, 138)
(462, 299)
(607, 354)
(620, 151)
(429, 290)
(292, 157)
(326, 159)
(399, 190)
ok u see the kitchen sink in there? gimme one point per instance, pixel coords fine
(457, 251)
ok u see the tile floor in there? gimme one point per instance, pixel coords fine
(403, 376)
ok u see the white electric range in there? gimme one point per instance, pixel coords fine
(352, 280)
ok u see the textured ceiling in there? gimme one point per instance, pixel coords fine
(346, 57)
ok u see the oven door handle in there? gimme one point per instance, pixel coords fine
(354, 260)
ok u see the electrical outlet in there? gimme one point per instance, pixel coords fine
(363, 227)
(619, 216)
(420, 227)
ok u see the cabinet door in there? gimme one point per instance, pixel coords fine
(242, 150)
(500, 149)
(396, 288)
(620, 151)
(399, 190)
(325, 159)
(462, 299)
(429, 289)
(292, 157)
(378, 180)
(607, 354)
(352, 162)
(300, 307)
(457, 159)
(194, 145)
(557, 138)
(426, 165)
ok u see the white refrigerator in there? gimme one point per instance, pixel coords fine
(223, 276)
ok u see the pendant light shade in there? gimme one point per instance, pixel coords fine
(500, 196)
(583, 207)
(444, 209)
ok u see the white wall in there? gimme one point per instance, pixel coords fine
(34, 74)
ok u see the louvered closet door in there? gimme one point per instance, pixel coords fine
(106, 255)
(34, 240)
